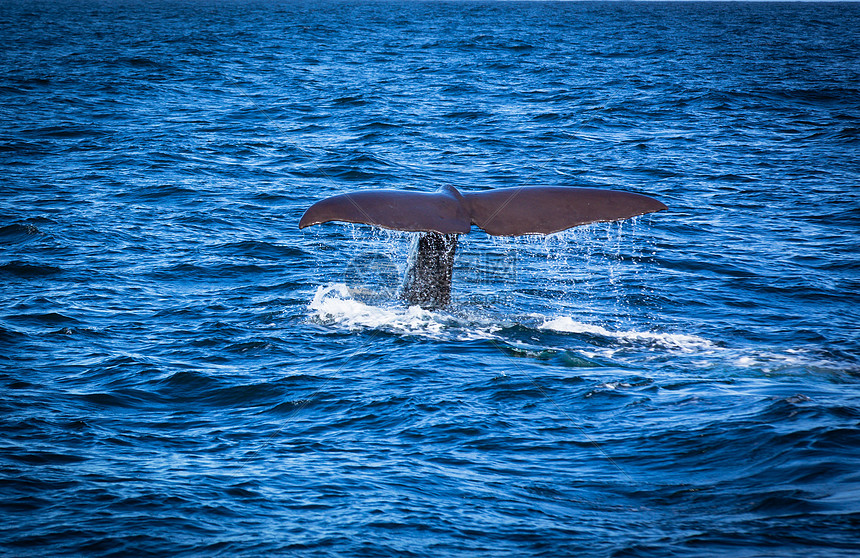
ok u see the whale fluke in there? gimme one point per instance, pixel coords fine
(504, 212)
(444, 214)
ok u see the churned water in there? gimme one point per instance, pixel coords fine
(184, 372)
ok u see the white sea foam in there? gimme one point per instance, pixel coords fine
(694, 351)
(336, 305)
(678, 341)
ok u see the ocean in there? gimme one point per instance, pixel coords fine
(184, 372)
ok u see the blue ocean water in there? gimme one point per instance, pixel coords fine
(184, 372)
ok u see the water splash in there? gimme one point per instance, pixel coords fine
(337, 305)
(340, 307)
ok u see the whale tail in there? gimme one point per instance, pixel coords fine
(504, 212)
(442, 215)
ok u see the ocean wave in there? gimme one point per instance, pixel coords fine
(18, 233)
(27, 270)
(258, 249)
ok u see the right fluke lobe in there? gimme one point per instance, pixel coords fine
(549, 209)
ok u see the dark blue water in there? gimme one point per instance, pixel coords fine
(184, 372)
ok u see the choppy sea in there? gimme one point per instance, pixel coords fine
(183, 372)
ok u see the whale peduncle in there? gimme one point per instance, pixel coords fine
(429, 271)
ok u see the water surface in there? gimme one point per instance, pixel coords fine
(184, 372)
